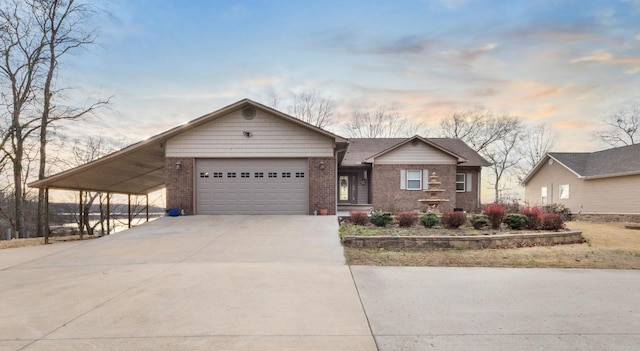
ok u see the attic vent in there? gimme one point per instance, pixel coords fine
(248, 112)
(414, 142)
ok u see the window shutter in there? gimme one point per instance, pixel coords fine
(403, 179)
(425, 179)
(469, 182)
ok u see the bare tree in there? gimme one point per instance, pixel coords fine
(622, 127)
(536, 144)
(505, 157)
(34, 36)
(382, 122)
(477, 126)
(312, 107)
(66, 27)
(497, 137)
(21, 47)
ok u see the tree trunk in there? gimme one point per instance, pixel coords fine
(17, 173)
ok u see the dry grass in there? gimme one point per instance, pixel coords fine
(13, 243)
(609, 245)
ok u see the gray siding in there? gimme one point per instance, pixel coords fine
(616, 195)
(418, 153)
(270, 137)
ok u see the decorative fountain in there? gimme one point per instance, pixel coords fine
(433, 190)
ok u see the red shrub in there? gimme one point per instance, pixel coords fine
(407, 219)
(552, 221)
(453, 220)
(534, 217)
(495, 212)
(359, 218)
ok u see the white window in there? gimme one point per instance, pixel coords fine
(461, 182)
(564, 191)
(414, 180)
(543, 196)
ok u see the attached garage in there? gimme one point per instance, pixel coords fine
(252, 186)
(245, 158)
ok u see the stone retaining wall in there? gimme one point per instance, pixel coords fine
(600, 217)
(464, 242)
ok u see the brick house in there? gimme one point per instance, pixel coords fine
(247, 158)
(391, 173)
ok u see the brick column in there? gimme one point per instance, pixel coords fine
(322, 184)
(180, 185)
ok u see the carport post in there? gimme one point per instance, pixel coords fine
(108, 213)
(80, 216)
(129, 201)
(46, 215)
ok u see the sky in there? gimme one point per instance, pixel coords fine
(565, 63)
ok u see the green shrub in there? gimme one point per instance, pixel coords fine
(495, 213)
(453, 220)
(516, 221)
(429, 220)
(407, 219)
(479, 221)
(359, 218)
(534, 217)
(381, 218)
(552, 221)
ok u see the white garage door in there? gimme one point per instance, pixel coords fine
(252, 186)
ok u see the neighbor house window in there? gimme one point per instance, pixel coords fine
(461, 182)
(414, 180)
(564, 191)
(543, 196)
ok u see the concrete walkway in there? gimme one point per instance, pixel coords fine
(432, 308)
(186, 283)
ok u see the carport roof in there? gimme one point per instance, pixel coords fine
(140, 167)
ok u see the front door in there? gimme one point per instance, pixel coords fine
(347, 188)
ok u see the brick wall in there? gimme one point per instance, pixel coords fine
(180, 184)
(322, 184)
(387, 195)
(469, 200)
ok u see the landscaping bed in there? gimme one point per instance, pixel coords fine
(608, 246)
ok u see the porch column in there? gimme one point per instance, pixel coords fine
(129, 201)
(147, 207)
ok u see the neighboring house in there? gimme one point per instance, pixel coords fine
(247, 158)
(603, 185)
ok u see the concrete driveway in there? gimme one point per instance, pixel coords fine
(186, 283)
(432, 308)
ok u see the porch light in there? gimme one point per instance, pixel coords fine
(321, 165)
(178, 164)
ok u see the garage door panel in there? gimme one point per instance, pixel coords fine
(252, 186)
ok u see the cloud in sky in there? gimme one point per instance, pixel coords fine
(167, 62)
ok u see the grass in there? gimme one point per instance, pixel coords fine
(13, 243)
(609, 245)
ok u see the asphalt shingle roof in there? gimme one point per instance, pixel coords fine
(620, 160)
(360, 149)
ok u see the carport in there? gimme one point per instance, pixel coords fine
(136, 170)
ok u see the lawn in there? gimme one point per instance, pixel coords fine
(609, 245)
